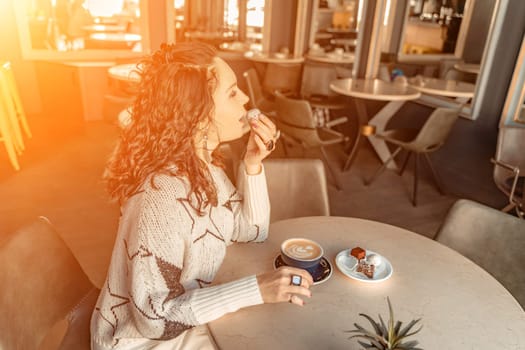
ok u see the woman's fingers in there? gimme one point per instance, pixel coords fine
(264, 127)
(260, 143)
(296, 291)
(306, 278)
(276, 286)
(268, 123)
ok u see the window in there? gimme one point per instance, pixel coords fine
(70, 29)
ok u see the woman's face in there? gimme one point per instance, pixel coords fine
(229, 121)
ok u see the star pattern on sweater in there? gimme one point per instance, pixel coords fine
(171, 275)
(257, 233)
(200, 227)
(234, 199)
(202, 283)
(113, 320)
(141, 252)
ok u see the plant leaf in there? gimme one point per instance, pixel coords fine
(409, 344)
(409, 334)
(384, 331)
(404, 331)
(397, 327)
(390, 321)
(377, 344)
(365, 345)
(368, 335)
(373, 323)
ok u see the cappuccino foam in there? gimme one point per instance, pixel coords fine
(302, 249)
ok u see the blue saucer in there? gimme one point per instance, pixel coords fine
(321, 273)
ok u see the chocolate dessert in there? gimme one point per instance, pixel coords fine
(358, 252)
(366, 269)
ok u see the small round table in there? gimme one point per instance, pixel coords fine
(472, 68)
(460, 305)
(374, 89)
(331, 57)
(272, 58)
(442, 87)
(125, 72)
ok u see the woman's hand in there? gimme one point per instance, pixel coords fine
(276, 286)
(262, 135)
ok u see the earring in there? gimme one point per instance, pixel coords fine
(205, 138)
(205, 141)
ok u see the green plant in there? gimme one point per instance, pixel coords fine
(384, 337)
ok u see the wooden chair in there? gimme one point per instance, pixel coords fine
(297, 187)
(46, 298)
(315, 87)
(492, 239)
(296, 122)
(282, 77)
(10, 133)
(509, 169)
(428, 139)
(7, 71)
(255, 92)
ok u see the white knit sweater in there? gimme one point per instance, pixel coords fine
(166, 255)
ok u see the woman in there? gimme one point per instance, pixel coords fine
(180, 211)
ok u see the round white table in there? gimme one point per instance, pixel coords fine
(116, 40)
(104, 28)
(272, 58)
(125, 72)
(331, 57)
(374, 89)
(442, 87)
(461, 305)
(472, 68)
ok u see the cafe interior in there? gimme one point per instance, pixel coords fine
(359, 89)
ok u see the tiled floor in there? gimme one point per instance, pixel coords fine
(61, 179)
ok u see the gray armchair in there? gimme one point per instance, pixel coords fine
(297, 187)
(296, 121)
(492, 239)
(428, 139)
(509, 169)
(46, 298)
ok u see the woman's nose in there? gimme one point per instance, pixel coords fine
(244, 98)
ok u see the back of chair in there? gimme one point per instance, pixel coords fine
(254, 87)
(492, 239)
(297, 187)
(43, 286)
(511, 151)
(436, 129)
(284, 77)
(296, 120)
(316, 79)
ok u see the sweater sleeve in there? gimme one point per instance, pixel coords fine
(252, 218)
(162, 308)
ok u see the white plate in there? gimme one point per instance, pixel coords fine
(344, 261)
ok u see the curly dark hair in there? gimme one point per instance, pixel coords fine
(173, 103)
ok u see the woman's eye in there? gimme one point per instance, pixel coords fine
(233, 93)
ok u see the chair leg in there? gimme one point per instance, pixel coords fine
(414, 193)
(330, 170)
(285, 149)
(435, 176)
(382, 167)
(9, 143)
(405, 162)
(508, 207)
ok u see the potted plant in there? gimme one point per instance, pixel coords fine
(391, 336)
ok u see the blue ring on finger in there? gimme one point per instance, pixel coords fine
(270, 145)
(296, 280)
